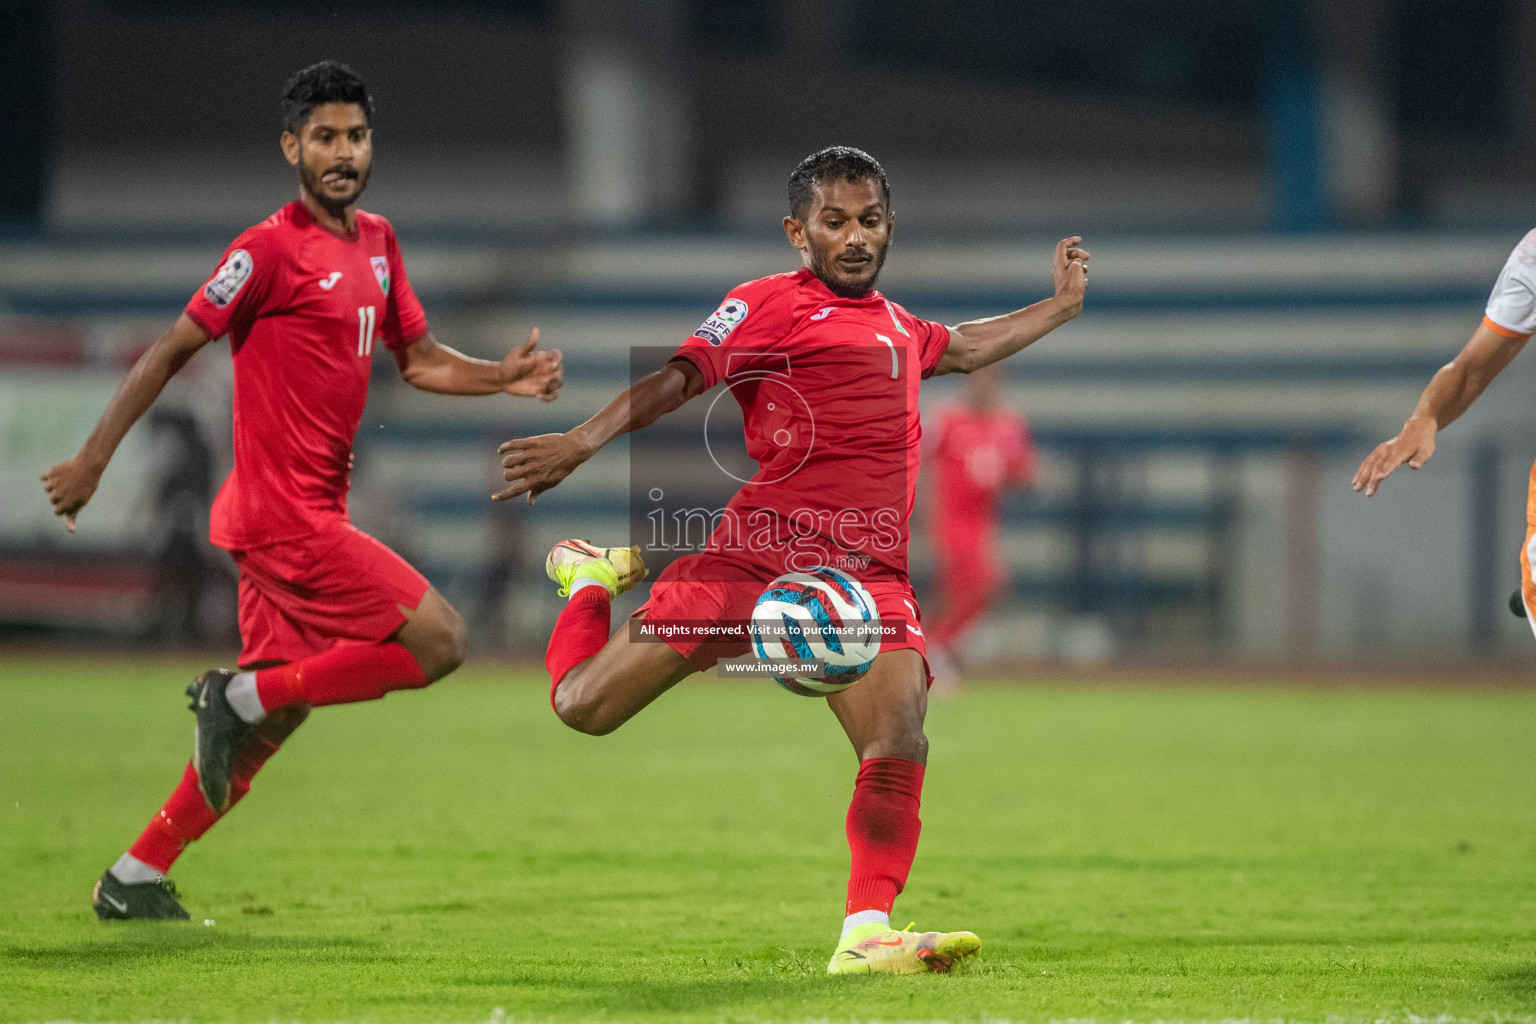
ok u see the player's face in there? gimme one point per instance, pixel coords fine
(334, 153)
(844, 237)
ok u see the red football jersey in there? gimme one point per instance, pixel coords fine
(828, 389)
(303, 307)
(977, 455)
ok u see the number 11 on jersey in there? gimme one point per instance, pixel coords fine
(365, 320)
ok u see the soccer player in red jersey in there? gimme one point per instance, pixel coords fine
(328, 615)
(827, 372)
(983, 447)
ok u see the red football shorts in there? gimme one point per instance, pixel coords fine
(711, 587)
(336, 585)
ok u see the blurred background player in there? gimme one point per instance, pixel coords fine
(328, 615)
(1508, 322)
(982, 447)
(856, 359)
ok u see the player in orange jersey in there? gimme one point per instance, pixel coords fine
(1508, 322)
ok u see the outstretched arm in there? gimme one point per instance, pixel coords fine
(432, 366)
(979, 343)
(532, 465)
(1451, 391)
(71, 484)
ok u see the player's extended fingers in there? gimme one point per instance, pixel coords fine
(512, 491)
(556, 377)
(1380, 471)
(1065, 244)
(1368, 468)
(513, 445)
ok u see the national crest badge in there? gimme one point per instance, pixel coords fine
(380, 266)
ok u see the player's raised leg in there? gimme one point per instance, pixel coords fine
(229, 705)
(349, 620)
(136, 886)
(597, 681)
(883, 716)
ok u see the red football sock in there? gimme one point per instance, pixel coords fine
(186, 816)
(341, 675)
(580, 632)
(882, 831)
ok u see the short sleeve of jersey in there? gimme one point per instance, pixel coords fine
(1512, 306)
(932, 340)
(233, 297)
(753, 318)
(404, 319)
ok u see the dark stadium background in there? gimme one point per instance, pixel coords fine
(1296, 211)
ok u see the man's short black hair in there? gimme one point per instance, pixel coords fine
(833, 164)
(329, 81)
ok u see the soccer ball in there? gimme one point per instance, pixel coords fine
(820, 614)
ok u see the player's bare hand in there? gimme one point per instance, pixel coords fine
(69, 486)
(1069, 273)
(532, 465)
(1414, 446)
(531, 373)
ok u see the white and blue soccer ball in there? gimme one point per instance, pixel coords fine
(820, 614)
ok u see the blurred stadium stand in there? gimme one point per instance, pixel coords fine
(1296, 211)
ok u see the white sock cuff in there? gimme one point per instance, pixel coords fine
(852, 921)
(131, 871)
(242, 696)
(585, 581)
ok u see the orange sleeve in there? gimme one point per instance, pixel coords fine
(1501, 330)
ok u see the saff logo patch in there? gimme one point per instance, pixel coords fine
(380, 266)
(723, 321)
(229, 279)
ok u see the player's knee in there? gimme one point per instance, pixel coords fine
(903, 739)
(443, 647)
(582, 713)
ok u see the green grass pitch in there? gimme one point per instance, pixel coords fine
(1148, 852)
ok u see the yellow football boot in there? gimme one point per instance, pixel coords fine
(618, 569)
(879, 949)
